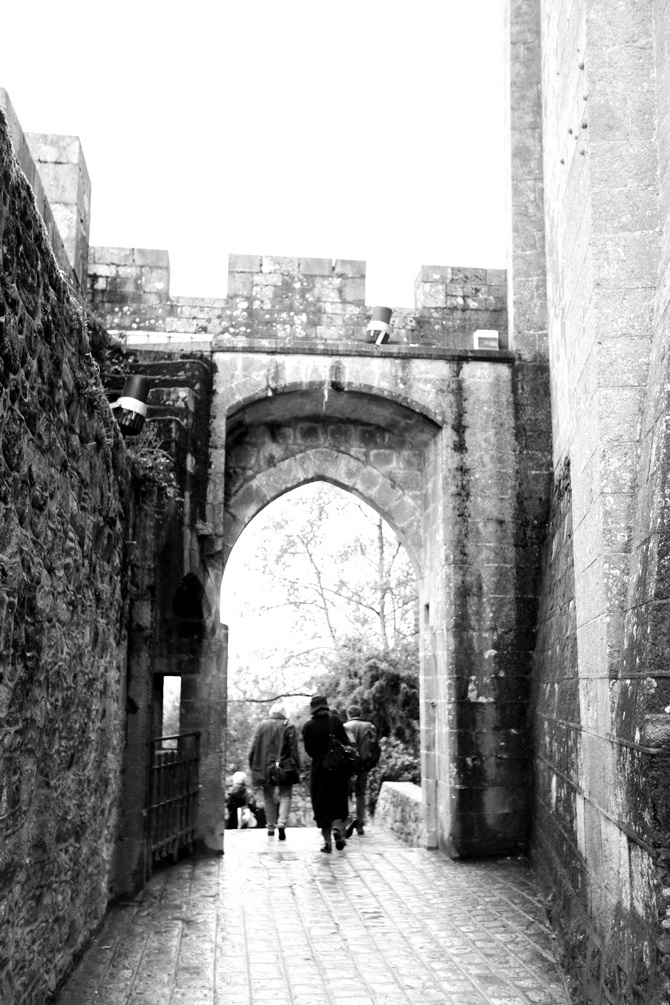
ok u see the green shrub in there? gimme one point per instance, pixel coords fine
(399, 762)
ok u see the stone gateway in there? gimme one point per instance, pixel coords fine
(526, 473)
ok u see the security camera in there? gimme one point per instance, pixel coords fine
(380, 326)
(130, 409)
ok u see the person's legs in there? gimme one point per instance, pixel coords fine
(270, 807)
(350, 822)
(327, 838)
(285, 792)
(360, 787)
(338, 834)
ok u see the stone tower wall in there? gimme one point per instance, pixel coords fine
(600, 729)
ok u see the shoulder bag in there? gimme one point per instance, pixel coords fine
(283, 770)
(340, 758)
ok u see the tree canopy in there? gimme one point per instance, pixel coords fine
(322, 597)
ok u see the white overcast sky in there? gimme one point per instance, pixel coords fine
(369, 129)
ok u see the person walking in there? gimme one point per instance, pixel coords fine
(275, 741)
(363, 735)
(328, 789)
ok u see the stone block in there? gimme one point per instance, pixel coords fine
(614, 161)
(240, 284)
(353, 291)
(155, 280)
(497, 278)
(349, 267)
(286, 266)
(155, 258)
(113, 256)
(627, 260)
(61, 182)
(434, 274)
(244, 263)
(431, 295)
(315, 266)
(619, 413)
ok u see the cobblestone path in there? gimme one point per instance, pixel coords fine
(281, 923)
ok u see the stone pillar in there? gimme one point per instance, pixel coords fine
(62, 168)
(434, 670)
(203, 708)
(485, 692)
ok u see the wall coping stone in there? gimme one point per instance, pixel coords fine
(399, 810)
(222, 343)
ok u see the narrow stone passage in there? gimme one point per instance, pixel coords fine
(376, 924)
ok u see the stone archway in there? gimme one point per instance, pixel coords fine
(429, 444)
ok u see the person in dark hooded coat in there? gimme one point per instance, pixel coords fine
(328, 789)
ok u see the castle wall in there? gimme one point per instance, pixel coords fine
(64, 487)
(600, 818)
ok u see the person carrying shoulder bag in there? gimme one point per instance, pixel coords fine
(328, 786)
(275, 741)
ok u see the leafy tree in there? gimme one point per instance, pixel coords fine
(385, 685)
(324, 569)
(243, 718)
(398, 763)
(331, 593)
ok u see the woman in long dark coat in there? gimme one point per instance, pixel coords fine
(328, 789)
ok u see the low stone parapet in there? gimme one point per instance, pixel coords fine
(398, 810)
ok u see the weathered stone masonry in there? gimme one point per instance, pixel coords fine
(589, 109)
(92, 559)
(423, 429)
(275, 386)
(470, 456)
(64, 485)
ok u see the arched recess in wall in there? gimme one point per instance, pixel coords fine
(372, 446)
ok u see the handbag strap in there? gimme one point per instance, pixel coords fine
(281, 745)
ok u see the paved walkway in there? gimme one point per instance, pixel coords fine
(281, 923)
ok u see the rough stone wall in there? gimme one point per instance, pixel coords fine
(172, 625)
(555, 719)
(600, 818)
(63, 487)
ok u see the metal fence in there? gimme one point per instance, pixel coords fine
(173, 796)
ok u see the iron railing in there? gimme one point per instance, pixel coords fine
(174, 765)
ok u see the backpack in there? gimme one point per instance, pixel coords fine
(369, 750)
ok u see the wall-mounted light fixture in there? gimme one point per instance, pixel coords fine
(130, 410)
(380, 325)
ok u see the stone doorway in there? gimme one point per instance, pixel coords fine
(429, 444)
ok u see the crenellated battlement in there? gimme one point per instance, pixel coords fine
(290, 300)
